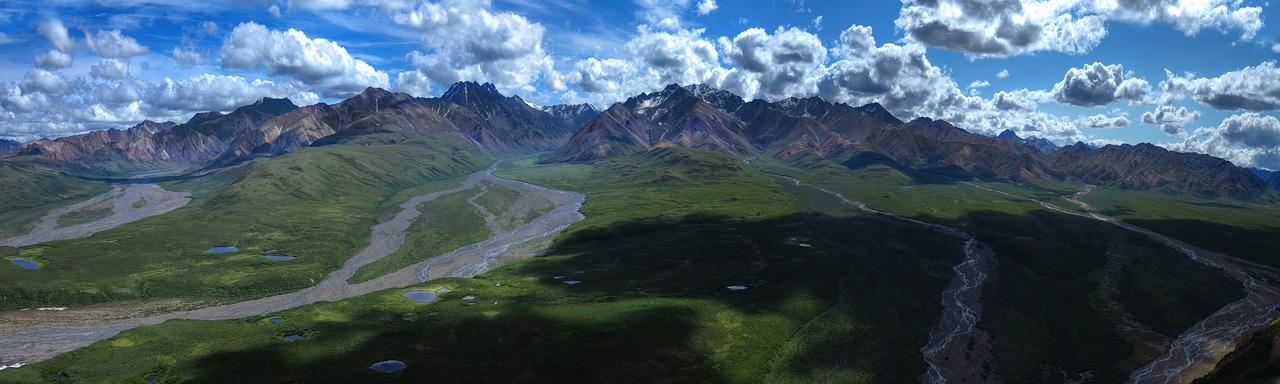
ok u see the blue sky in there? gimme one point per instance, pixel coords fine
(1191, 75)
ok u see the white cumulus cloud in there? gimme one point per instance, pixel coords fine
(318, 63)
(113, 44)
(1015, 27)
(1098, 84)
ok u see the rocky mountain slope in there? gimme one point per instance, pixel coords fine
(6, 145)
(203, 137)
(699, 116)
(1046, 146)
(1146, 166)
(273, 127)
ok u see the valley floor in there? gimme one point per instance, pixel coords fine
(126, 203)
(36, 343)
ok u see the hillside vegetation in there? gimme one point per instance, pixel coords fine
(316, 204)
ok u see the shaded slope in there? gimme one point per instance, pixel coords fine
(1145, 166)
(617, 131)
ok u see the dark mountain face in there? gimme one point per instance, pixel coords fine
(576, 115)
(1145, 166)
(928, 141)
(1272, 178)
(1042, 145)
(500, 123)
(6, 145)
(875, 111)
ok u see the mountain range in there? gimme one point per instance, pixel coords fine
(702, 117)
(272, 127)
(696, 116)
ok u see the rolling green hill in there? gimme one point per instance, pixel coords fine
(316, 204)
(32, 187)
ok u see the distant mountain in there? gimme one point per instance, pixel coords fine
(6, 145)
(938, 142)
(500, 123)
(615, 131)
(273, 127)
(149, 143)
(1146, 166)
(876, 111)
(704, 117)
(575, 116)
(1272, 178)
(1046, 146)
(679, 117)
(372, 111)
(725, 101)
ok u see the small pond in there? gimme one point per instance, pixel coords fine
(275, 320)
(223, 249)
(736, 287)
(279, 257)
(388, 366)
(151, 378)
(293, 338)
(28, 264)
(420, 296)
(573, 282)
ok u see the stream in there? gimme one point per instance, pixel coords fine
(1199, 349)
(947, 352)
(151, 200)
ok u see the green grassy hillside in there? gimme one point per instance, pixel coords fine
(316, 204)
(1241, 229)
(32, 187)
(1049, 303)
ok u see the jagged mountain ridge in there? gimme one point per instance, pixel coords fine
(870, 134)
(204, 136)
(677, 116)
(616, 130)
(273, 127)
(793, 126)
(6, 145)
(1043, 145)
(692, 116)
